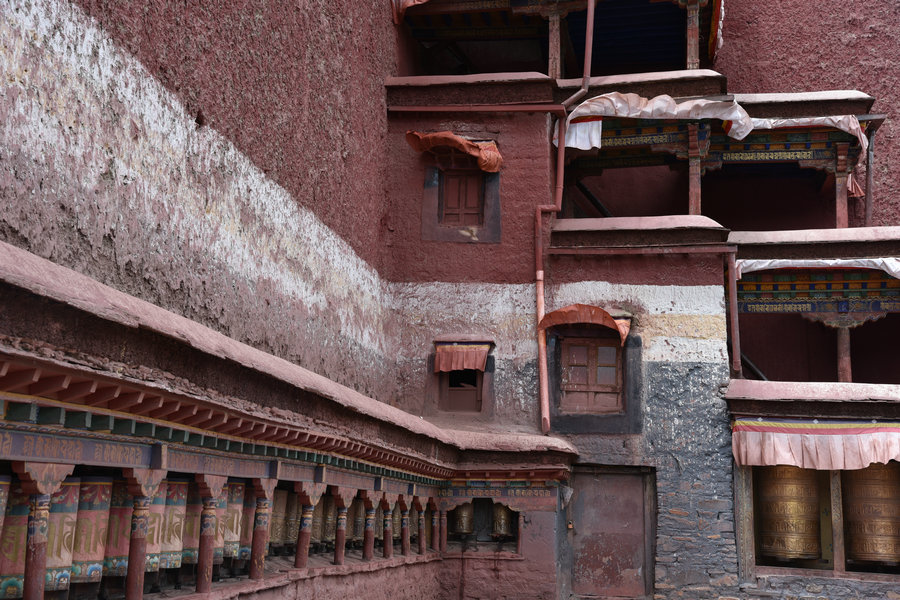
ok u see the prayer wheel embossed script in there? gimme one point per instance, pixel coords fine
(872, 513)
(789, 516)
(465, 519)
(502, 522)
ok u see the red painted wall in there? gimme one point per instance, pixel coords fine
(297, 86)
(800, 46)
(525, 182)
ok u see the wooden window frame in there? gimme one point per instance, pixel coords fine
(612, 393)
(442, 164)
(446, 393)
(472, 180)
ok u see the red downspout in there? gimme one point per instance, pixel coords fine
(544, 389)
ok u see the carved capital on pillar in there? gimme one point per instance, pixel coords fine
(310, 493)
(144, 482)
(343, 496)
(41, 478)
(403, 501)
(210, 486)
(389, 500)
(265, 488)
(417, 503)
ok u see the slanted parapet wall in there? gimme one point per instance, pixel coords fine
(184, 176)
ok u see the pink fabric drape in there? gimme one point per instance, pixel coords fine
(822, 445)
(456, 357)
(486, 153)
(399, 8)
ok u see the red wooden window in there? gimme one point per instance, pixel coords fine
(591, 379)
(461, 197)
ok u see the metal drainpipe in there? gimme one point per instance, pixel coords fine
(543, 380)
(870, 174)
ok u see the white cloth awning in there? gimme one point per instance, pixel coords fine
(891, 266)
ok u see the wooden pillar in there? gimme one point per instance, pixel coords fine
(36, 546)
(137, 548)
(443, 531)
(207, 544)
(845, 373)
(39, 481)
(404, 531)
(693, 34)
(837, 522)
(260, 533)
(694, 205)
(340, 535)
(369, 534)
(302, 555)
(554, 40)
(841, 172)
(421, 528)
(265, 490)
(520, 530)
(435, 530)
(388, 548)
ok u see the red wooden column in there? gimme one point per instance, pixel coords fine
(420, 515)
(340, 535)
(142, 485)
(435, 529)
(369, 532)
(210, 487)
(388, 518)
(841, 173)
(693, 34)
(309, 495)
(694, 205)
(404, 531)
(343, 499)
(39, 481)
(845, 373)
(443, 531)
(265, 489)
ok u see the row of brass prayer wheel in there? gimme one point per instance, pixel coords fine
(285, 521)
(789, 513)
(501, 526)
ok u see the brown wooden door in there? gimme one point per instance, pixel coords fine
(613, 533)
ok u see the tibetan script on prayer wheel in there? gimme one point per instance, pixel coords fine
(464, 522)
(789, 515)
(872, 513)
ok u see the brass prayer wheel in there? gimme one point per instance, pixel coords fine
(330, 518)
(395, 522)
(413, 523)
(872, 513)
(789, 515)
(358, 515)
(318, 524)
(464, 522)
(379, 523)
(502, 524)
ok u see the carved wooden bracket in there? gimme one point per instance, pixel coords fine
(41, 478)
(265, 488)
(849, 319)
(210, 485)
(343, 496)
(310, 493)
(144, 482)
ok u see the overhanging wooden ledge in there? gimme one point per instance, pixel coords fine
(45, 381)
(749, 398)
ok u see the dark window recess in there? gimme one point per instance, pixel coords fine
(591, 375)
(461, 197)
(461, 391)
